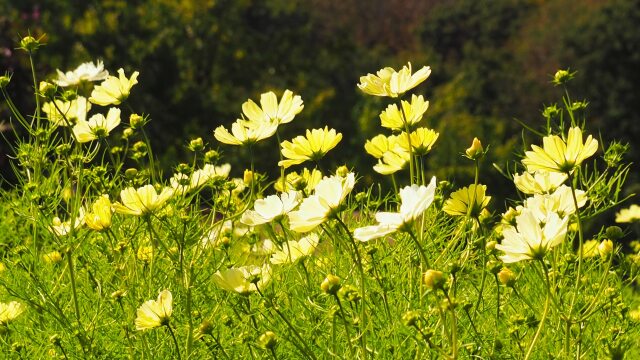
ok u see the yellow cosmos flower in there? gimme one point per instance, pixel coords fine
(97, 127)
(589, 248)
(327, 197)
(556, 155)
(53, 257)
(113, 90)
(530, 240)
(100, 216)
(388, 82)
(392, 161)
(142, 201)
(294, 251)
(243, 280)
(272, 208)
(304, 181)
(155, 313)
(629, 214)
(85, 72)
(380, 144)
(312, 147)
(469, 200)
(10, 311)
(414, 201)
(245, 133)
(66, 113)
(422, 140)
(559, 202)
(539, 182)
(410, 115)
(62, 228)
(272, 111)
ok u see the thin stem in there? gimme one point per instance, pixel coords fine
(175, 341)
(344, 321)
(423, 255)
(544, 312)
(74, 293)
(580, 243)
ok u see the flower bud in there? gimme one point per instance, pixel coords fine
(4, 81)
(614, 233)
(196, 144)
(118, 294)
(211, 156)
(206, 327)
(342, 171)
(47, 89)
(475, 151)
(550, 112)
(136, 121)
(331, 284)
(410, 318)
(605, 248)
(433, 279)
(131, 173)
(268, 340)
(562, 77)
(507, 277)
(127, 133)
(248, 177)
(494, 266)
(29, 44)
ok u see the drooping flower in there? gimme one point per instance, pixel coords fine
(155, 313)
(67, 113)
(556, 155)
(85, 72)
(529, 239)
(272, 111)
(327, 197)
(10, 311)
(539, 182)
(469, 200)
(294, 251)
(97, 127)
(409, 116)
(414, 201)
(142, 201)
(62, 228)
(245, 133)
(388, 82)
(243, 280)
(114, 90)
(629, 214)
(393, 161)
(100, 216)
(272, 208)
(311, 147)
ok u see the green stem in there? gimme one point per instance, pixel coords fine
(175, 341)
(580, 243)
(544, 312)
(344, 321)
(74, 293)
(423, 255)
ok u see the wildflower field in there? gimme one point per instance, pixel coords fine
(104, 256)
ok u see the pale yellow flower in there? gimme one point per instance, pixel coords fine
(272, 111)
(422, 140)
(100, 216)
(560, 202)
(97, 127)
(155, 313)
(388, 82)
(475, 151)
(380, 144)
(305, 181)
(145, 253)
(142, 201)
(393, 161)
(10, 311)
(414, 202)
(67, 113)
(589, 248)
(556, 155)
(272, 208)
(311, 147)
(409, 116)
(530, 240)
(85, 72)
(114, 90)
(327, 198)
(208, 173)
(628, 215)
(539, 182)
(52, 257)
(469, 200)
(245, 133)
(62, 228)
(294, 251)
(243, 280)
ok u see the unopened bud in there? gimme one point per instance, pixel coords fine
(475, 151)
(136, 121)
(614, 232)
(507, 277)
(562, 77)
(331, 284)
(342, 171)
(4, 81)
(196, 144)
(268, 340)
(29, 44)
(248, 177)
(605, 248)
(47, 89)
(433, 279)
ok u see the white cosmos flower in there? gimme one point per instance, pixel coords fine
(529, 239)
(559, 202)
(271, 208)
(85, 72)
(293, 251)
(415, 200)
(327, 197)
(97, 127)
